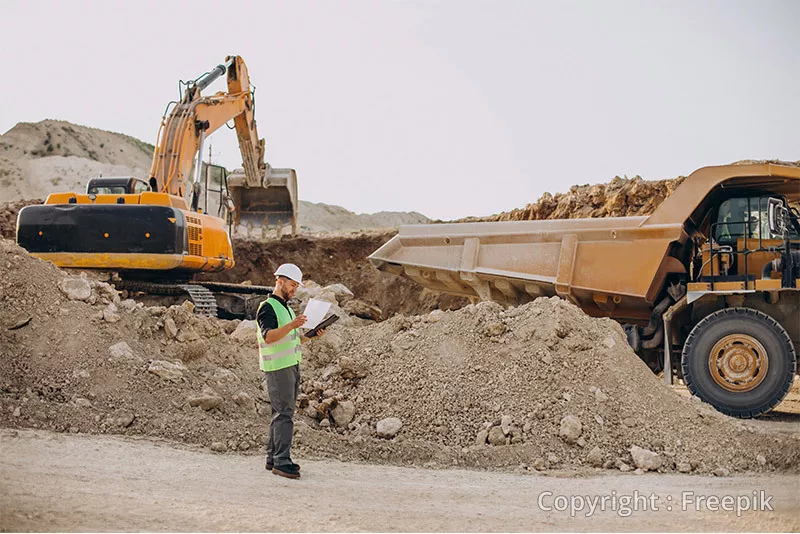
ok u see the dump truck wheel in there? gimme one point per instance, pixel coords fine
(740, 361)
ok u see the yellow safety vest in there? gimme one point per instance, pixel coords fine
(286, 351)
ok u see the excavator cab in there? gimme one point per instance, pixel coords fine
(116, 185)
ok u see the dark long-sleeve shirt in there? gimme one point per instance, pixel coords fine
(266, 318)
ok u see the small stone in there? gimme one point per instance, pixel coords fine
(581, 442)
(645, 459)
(218, 446)
(539, 464)
(389, 427)
(481, 438)
(599, 396)
(505, 424)
(80, 402)
(595, 457)
(206, 401)
(497, 436)
(325, 423)
(170, 327)
(167, 370)
(343, 413)
(609, 342)
(638, 471)
(494, 329)
(622, 466)
(125, 419)
(435, 316)
(721, 472)
(630, 422)
(684, 467)
(123, 352)
(110, 314)
(571, 429)
(17, 411)
(76, 288)
(600, 420)
(188, 306)
(761, 459)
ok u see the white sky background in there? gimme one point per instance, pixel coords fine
(449, 108)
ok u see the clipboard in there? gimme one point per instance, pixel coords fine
(321, 326)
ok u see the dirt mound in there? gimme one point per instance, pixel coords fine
(548, 387)
(336, 259)
(621, 197)
(8, 216)
(318, 217)
(39, 158)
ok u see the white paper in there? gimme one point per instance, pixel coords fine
(315, 312)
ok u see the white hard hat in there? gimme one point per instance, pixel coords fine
(290, 271)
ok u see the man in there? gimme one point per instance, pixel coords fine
(279, 357)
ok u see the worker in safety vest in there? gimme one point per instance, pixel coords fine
(279, 357)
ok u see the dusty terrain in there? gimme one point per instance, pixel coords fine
(57, 482)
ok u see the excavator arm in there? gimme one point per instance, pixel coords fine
(195, 117)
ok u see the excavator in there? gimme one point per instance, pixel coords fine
(145, 231)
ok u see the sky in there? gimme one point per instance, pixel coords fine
(448, 108)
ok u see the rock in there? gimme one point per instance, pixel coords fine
(218, 446)
(595, 457)
(325, 423)
(188, 305)
(505, 424)
(245, 333)
(494, 329)
(571, 429)
(123, 420)
(361, 309)
(622, 466)
(721, 472)
(110, 314)
(350, 368)
(243, 399)
(629, 422)
(600, 420)
(123, 352)
(206, 401)
(645, 459)
(761, 459)
(76, 288)
(80, 402)
(167, 370)
(343, 413)
(127, 305)
(170, 328)
(638, 471)
(389, 427)
(482, 437)
(80, 373)
(684, 467)
(581, 442)
(340, 292)
(599, 396)
(17, 412)
(609, 342)
(539, 464)
(496, 436)
(552, 459)
(435, 316)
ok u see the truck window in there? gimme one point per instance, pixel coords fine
(740, 217)
(107, 190)
(140, 187)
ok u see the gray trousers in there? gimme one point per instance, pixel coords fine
(282, 386)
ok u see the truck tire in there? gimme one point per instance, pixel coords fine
(740, 361)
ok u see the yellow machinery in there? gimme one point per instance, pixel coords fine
(146, 230)
(709, 284)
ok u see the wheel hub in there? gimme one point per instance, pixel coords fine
(738, 362)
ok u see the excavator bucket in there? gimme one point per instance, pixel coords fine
(272, 204)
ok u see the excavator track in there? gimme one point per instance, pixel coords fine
(202, 298)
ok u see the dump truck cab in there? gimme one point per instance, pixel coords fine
(705, 287)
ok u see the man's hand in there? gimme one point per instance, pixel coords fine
(320, 333)
(298, 321)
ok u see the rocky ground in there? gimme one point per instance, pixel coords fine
(539, 387)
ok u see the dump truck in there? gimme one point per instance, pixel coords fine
(706, 287)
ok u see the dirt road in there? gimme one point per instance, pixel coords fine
(63, 482)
